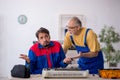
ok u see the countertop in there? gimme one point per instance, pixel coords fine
(39, 77)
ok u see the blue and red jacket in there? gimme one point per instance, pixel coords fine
(51, 57)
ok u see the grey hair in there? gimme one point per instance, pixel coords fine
(77, 21)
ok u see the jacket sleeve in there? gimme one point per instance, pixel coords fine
(62, 57)
(32, 63)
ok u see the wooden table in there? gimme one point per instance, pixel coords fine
(39, 77)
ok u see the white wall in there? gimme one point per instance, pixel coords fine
(16, 38)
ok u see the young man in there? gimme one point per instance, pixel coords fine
(45, 54)
(86, 44)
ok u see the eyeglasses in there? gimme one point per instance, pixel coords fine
(71, 27)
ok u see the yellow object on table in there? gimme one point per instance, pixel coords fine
(110, 73)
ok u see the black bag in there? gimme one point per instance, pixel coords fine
(20, 71)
